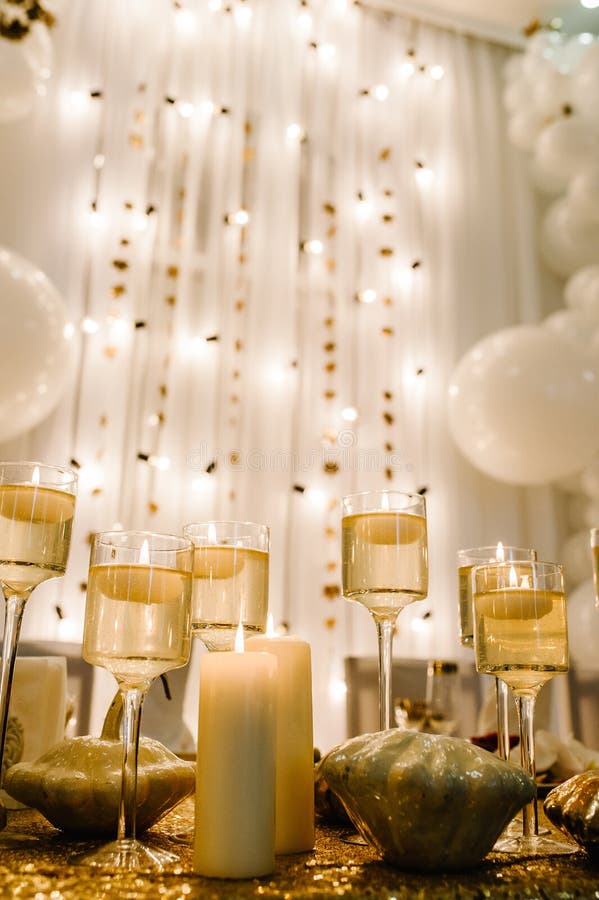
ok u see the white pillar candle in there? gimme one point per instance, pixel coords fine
(235, 784)
(295, 750)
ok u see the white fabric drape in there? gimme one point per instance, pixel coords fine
(192, 125)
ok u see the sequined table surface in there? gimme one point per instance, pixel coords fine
(41, 869)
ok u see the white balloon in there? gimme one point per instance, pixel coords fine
(589, 480)
(517, 94)
(524, 127)
(582, 289)
(566, 245)
(575, 556)
(17, 83)
(570, 55)
(575, 325)
(583, 195)
(552, 93)
(566, 146)
(513, 67)
(545, 183)
(545, 43)
(38, 351)
(522, 406)
(585, 86)
(583, 626)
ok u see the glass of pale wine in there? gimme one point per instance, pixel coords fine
(230, 580)
(37, 504)
(595, 553)
(384, 567)
(520, 636)
(467, 559)
(137, 626)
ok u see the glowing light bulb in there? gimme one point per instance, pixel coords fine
(436, 72)
(215, 5)
(363, 210)
(585, 38)
(407, 69)
(96, 219)
(243, 15)
(314, 246)
(327, 52)
(185, 20)
(295, 133)
(423, 175)
(68, 331)
(337, 690)
(118, 327)
(590, 4)
(79, 101)
(162, 463)
(241, 217)
(207, 108)
(304, 20)
(89, 326)
(185, 109)
(153, 420)
(380, 92)
(316, 496)
(367, 296)
(202, 482)
(349, 414)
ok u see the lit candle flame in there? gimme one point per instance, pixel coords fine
(211, 534)
(239, 641)
(513, 577)
(500, 552)
(525, 582)
(35, 478)
(270, 626)
(144, 554)
(385, 501)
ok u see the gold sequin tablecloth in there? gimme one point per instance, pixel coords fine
(42, 871)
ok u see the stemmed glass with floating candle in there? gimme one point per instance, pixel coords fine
(137, 626)
(467, 560)
(230, 580)
(520, 636)
(384, 566)
(37, 504)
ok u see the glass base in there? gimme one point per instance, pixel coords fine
(127, 855)
(535, 845)
(514, 830)
(355, 839)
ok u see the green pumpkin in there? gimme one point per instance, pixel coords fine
(76, 784)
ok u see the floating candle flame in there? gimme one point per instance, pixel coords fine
(211, 534)
(500, 552)
(513, 577)
(270, 626)
(144, 554)
(239, 641)
(385, 502)
(35, 478)
(525, 582)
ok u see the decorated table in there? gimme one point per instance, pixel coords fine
(42, 870)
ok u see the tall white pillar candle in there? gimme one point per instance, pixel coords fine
(235, 783)
(295, 750)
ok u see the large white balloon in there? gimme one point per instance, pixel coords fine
(583, 626)
(582, 289)
(575, 325)
(566, 244)
(566, 146)
(38, 348)
(523, 406)
(17, 82)
(585, 86)
(543, 182)
(551, 93)
(524, 127)
(583, 195)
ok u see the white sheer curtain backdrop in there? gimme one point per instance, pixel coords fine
(389, 226)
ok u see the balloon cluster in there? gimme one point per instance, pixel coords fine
(524, 402)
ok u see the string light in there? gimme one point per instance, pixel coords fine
(326, 52)
(243, 15)
(436, 72)
(185, 109)
(407, 69)
(363, 209)
(79, 100)
(185, 20)
(313, 246)
(380, 92)
(366, 296)
(68, 331)
(304, 20)
(162, 463)
(295, 133)
(349, 414)
(423, 175)
(241, 217)
(202, 482)
(153, 420)
(215, 5)
(89, 326)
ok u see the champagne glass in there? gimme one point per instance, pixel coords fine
(230, 580)
(137, 626)
(37, 504)
(595, 552)
(520, 636)
(467, 559)
(384, 566)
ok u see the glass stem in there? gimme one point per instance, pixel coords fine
(384, 631)
(132, 702)
(526, 710)
(502, 694)
(13, 616)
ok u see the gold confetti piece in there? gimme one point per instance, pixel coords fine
(330, 532)
(242, 259)
(232, 495)
(117, 290)
(120, 264)
(329, 347)
(389, 419)
(331, 231)
(331, 265)
(238, 346)
(386, 251)
(234, 398)
(388, 192)
(329, 209)
(329, 395)
(331, 566)
(139, 116)
(248, 154)
(330, 467)
(170, 300)
(387, 331)
(385, 153)
(329, 321)
(239, 305)
(330, 623)
(388, 301)
(386, 218)
(124, 242)
(388, 447)
(234, 457)
(388, 395)
(83, 586)
(103, 421)
(247, 127)
(172, 271)
(110, 352)
(97, 491)
(389, 474)
(153, 507)
(330, 367)
(136, 140)
(163, 390)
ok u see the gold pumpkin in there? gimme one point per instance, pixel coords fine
(76, 784)
(574, 807)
